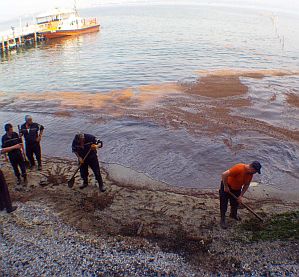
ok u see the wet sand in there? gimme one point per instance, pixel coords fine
(133, 199)
(144, 213)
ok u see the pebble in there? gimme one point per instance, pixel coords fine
(57, 249)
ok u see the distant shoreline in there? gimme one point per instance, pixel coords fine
(274, 10)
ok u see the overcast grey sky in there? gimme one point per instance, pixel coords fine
(15, 8)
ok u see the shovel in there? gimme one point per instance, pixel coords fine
(71, 182)
(27, 163)
(247, 207)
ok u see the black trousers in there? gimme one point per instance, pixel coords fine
(225, 197)
(34, 148)
(17, 161)
(5, 201)
(93, 163)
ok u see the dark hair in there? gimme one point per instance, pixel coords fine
(257, 166)
(7, 127)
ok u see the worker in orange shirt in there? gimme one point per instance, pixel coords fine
(235, 180)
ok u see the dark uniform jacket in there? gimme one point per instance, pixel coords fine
(88, 141)
(11, 141)
(31, 134)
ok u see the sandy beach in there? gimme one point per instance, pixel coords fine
(178, 92)
(139, 227)
(142, 226)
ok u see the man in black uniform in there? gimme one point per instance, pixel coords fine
(16, 157)
(81, 146)
(33, 134)
(5, 201)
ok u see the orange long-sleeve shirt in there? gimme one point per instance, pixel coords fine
(238, 177)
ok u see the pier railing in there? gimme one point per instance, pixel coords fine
(18, 36)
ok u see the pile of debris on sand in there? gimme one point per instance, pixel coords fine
(140, 227)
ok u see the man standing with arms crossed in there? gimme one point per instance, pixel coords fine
(32, 133)
(235, 180)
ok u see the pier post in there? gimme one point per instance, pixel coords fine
(2, 45)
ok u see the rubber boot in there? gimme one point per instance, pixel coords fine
(25, 179)
(84, 185)
(12, 209)
(19, 181)
(223, 223)
(234, 214)
(102, 187)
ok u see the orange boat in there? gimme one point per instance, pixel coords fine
(62, 23)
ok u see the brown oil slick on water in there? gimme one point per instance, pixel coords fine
(218, 86)
(203, 106)
(225, 83)
(113, 102)
(258, 74)
(63, 114)
(209, 111)
(293, 99)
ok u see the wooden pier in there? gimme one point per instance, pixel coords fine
(19, 37)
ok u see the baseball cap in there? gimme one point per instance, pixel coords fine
(80, 135)
(257, 166)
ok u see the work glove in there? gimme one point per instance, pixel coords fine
(38, 139)
(240, 199)
(80, 160)
(226, 188)
(94, 147)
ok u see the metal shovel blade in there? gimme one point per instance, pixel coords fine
(27, 164)
(71, 182)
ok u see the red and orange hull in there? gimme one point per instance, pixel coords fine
(66, 33)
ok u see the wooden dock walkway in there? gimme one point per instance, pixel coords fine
(19, 37)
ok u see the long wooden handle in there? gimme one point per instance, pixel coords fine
(81, 164)
(23, 149)
(247, 207)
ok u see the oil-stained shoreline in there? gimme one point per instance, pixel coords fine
(142, 226)
(150, 226)
(185, 134)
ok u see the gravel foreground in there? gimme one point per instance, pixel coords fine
(140, 229)
(34, 242)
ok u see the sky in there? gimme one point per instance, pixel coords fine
(13, 9)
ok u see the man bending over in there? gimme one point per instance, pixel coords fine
(235, 180)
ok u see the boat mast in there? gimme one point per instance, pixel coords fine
(75, 8)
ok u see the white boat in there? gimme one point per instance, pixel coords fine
(61, 23)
